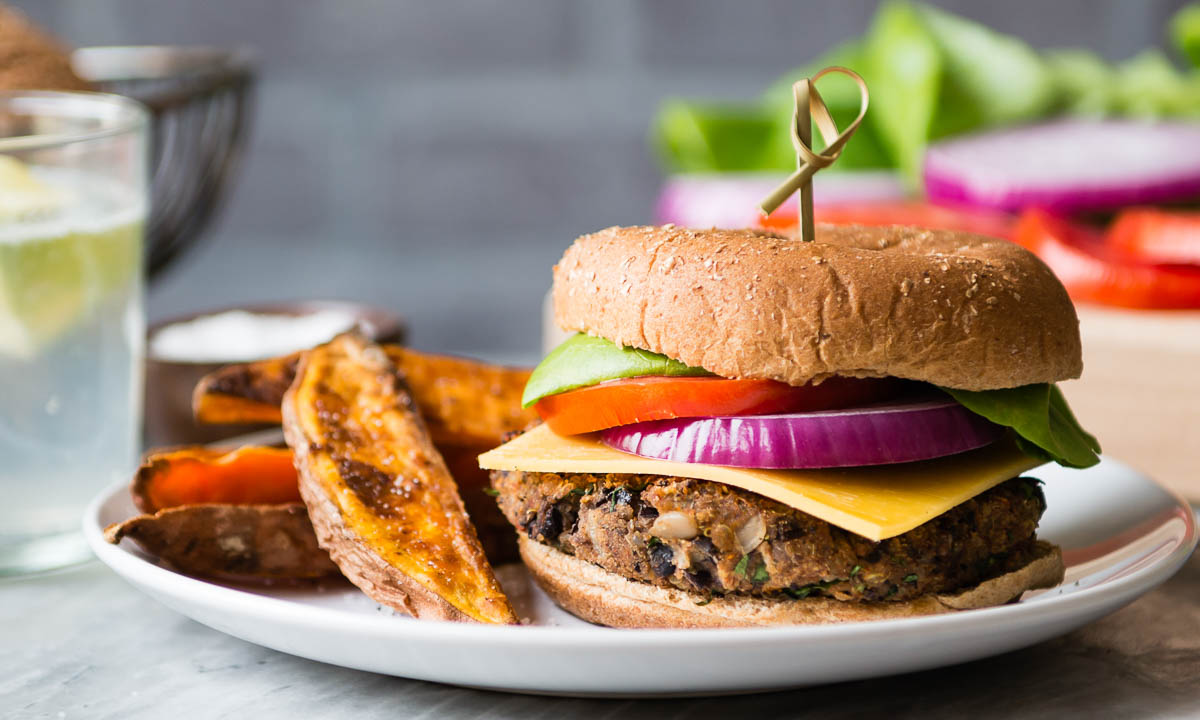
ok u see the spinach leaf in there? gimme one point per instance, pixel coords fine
(1039, 414)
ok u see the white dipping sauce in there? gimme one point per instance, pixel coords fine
(240, 336)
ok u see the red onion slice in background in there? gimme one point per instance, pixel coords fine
(1067, 166)
(730, 200)
(875, 435)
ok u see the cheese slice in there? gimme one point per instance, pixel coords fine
(876, 502)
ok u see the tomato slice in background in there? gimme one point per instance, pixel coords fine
(920, 214)
(1152, 235)
(1092, 272)
(633, 400)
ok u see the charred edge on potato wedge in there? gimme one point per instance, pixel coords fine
(379, 494)
(463, 402)
(235, 542)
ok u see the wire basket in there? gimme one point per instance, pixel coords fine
(199, 99)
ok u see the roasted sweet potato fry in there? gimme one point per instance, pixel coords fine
(468, 407)
(250, 475)
(379, 494)
(463, 402)
(267, 476)
(475, 487)
(236, 542)
(244, 393)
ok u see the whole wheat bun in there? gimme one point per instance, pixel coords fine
(953, 309)
(599, 596)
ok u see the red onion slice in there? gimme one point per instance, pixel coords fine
(875, 435)
(1067, 166)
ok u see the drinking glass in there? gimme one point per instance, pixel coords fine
(73, 197)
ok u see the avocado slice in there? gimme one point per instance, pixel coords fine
(583, 360)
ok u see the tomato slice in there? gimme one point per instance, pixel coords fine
(1151, 235)
(633, 400)
(1091, 272)
(983, 222)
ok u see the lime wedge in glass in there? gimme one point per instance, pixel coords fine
(23, 197)
(54, 266)
(45, 287)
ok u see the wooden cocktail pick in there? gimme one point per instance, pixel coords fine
(810, 108)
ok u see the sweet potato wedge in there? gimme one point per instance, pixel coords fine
(250, 475)
(379, 494)
(463, 402)
(256, 475)
(475, 488)
(234, 542)
(468, 407)
(244, 393)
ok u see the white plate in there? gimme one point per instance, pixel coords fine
(1121, 534)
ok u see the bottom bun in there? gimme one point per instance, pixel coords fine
(603, 597)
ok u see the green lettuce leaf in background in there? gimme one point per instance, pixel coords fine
(989, 79)
(1040, 416)
(1185, 33)
(1149, 86)
(903, 68)
(932, 74)
(1083, 82)
(841, 96)
(1001, 78)
(714, 137)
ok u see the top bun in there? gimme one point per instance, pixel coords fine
(953, 309)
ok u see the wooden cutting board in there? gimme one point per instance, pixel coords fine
(1140, 391)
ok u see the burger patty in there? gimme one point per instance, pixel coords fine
(714, 539)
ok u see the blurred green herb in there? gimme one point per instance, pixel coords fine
(1185, 32)
(805, 590)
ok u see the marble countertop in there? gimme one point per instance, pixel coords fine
(83, 644)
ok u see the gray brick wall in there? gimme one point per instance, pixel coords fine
(436, 157)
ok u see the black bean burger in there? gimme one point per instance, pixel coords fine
(749, 429)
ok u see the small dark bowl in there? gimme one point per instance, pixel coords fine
(169, 383)
(201, 101)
